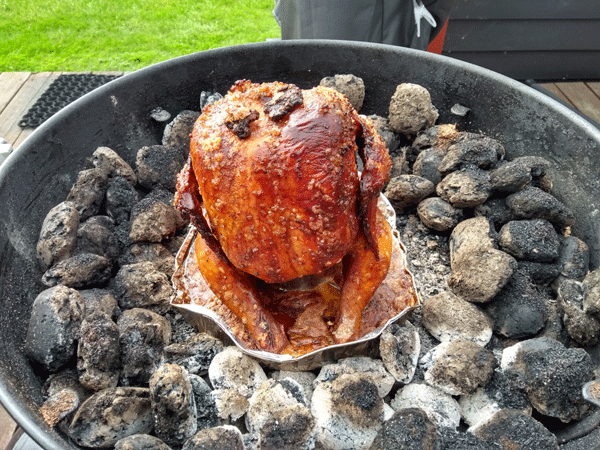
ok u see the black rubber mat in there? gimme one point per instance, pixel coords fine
(64, 90)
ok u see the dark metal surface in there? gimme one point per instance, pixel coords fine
(39, 174)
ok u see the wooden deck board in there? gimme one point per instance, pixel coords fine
(48, 77)
(28, 94)
(7, 428)
(554, 89)
(10, 84)
(595, 87)
(582, 97)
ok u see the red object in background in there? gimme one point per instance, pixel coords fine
(437, 44)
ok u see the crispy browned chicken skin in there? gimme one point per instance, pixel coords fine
(273, 188)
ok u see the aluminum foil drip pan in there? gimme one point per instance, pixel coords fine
(194, 299)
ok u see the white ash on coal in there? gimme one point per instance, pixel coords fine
(496, 354)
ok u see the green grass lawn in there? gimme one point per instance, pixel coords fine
(113, 35)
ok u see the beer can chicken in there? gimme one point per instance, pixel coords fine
(289, 235)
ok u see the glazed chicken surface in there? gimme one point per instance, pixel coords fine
(290, 237)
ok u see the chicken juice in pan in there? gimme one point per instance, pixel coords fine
(290, 246)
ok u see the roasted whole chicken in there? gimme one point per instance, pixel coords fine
(290, 237)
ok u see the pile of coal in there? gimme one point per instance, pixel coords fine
(494, 359)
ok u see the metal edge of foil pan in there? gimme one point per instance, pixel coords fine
(206, 320)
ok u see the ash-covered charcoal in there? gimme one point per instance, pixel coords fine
(496, 211)
(459, 110)
(511, 176)
(158, 254)
(591, 293)
(177, 132)
(159, 114)
(479, 269)
(88, 192)
(208, 98)
(224, 437)
(120, 199)
(270, 397)
(141, 442)
(552, 374)
(400, 164)
(181, 327)
(539, 166)
(569, 291)
(405, 191)
(110, 415)
(195, 354)
(109, 162)
(532, 240)
(440, 137)
(231, 405)
(519, 309)
(514, 428)
(176, 242)
(574, 258)
(56, 315)
(84, 270)
(479, 276)
(581, 327)
(294, 388)
(67, 378)
(289, 428)
(348, 412)
(450, 439)
(408, 428)
(539, 273)
(440, 407)
(173, 405)
(154, 218)
(99, 352)
(459, 366)
(101, 301)
(58, 234)
(472, 150)
(63, 395)
(304, 379)
(96, 236)
(465, 188)
(143, 335)
(438, 214)
(410, 109)
(232, 369)
(382, 125)
(471, 234)
(501, 392)
(205, 405)
(157, 166)
(382, 379)
(427, 164)
(140, 284)
(532, 202)
(351, 86)
(448, 317)
(399, 347)
(59, 406)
